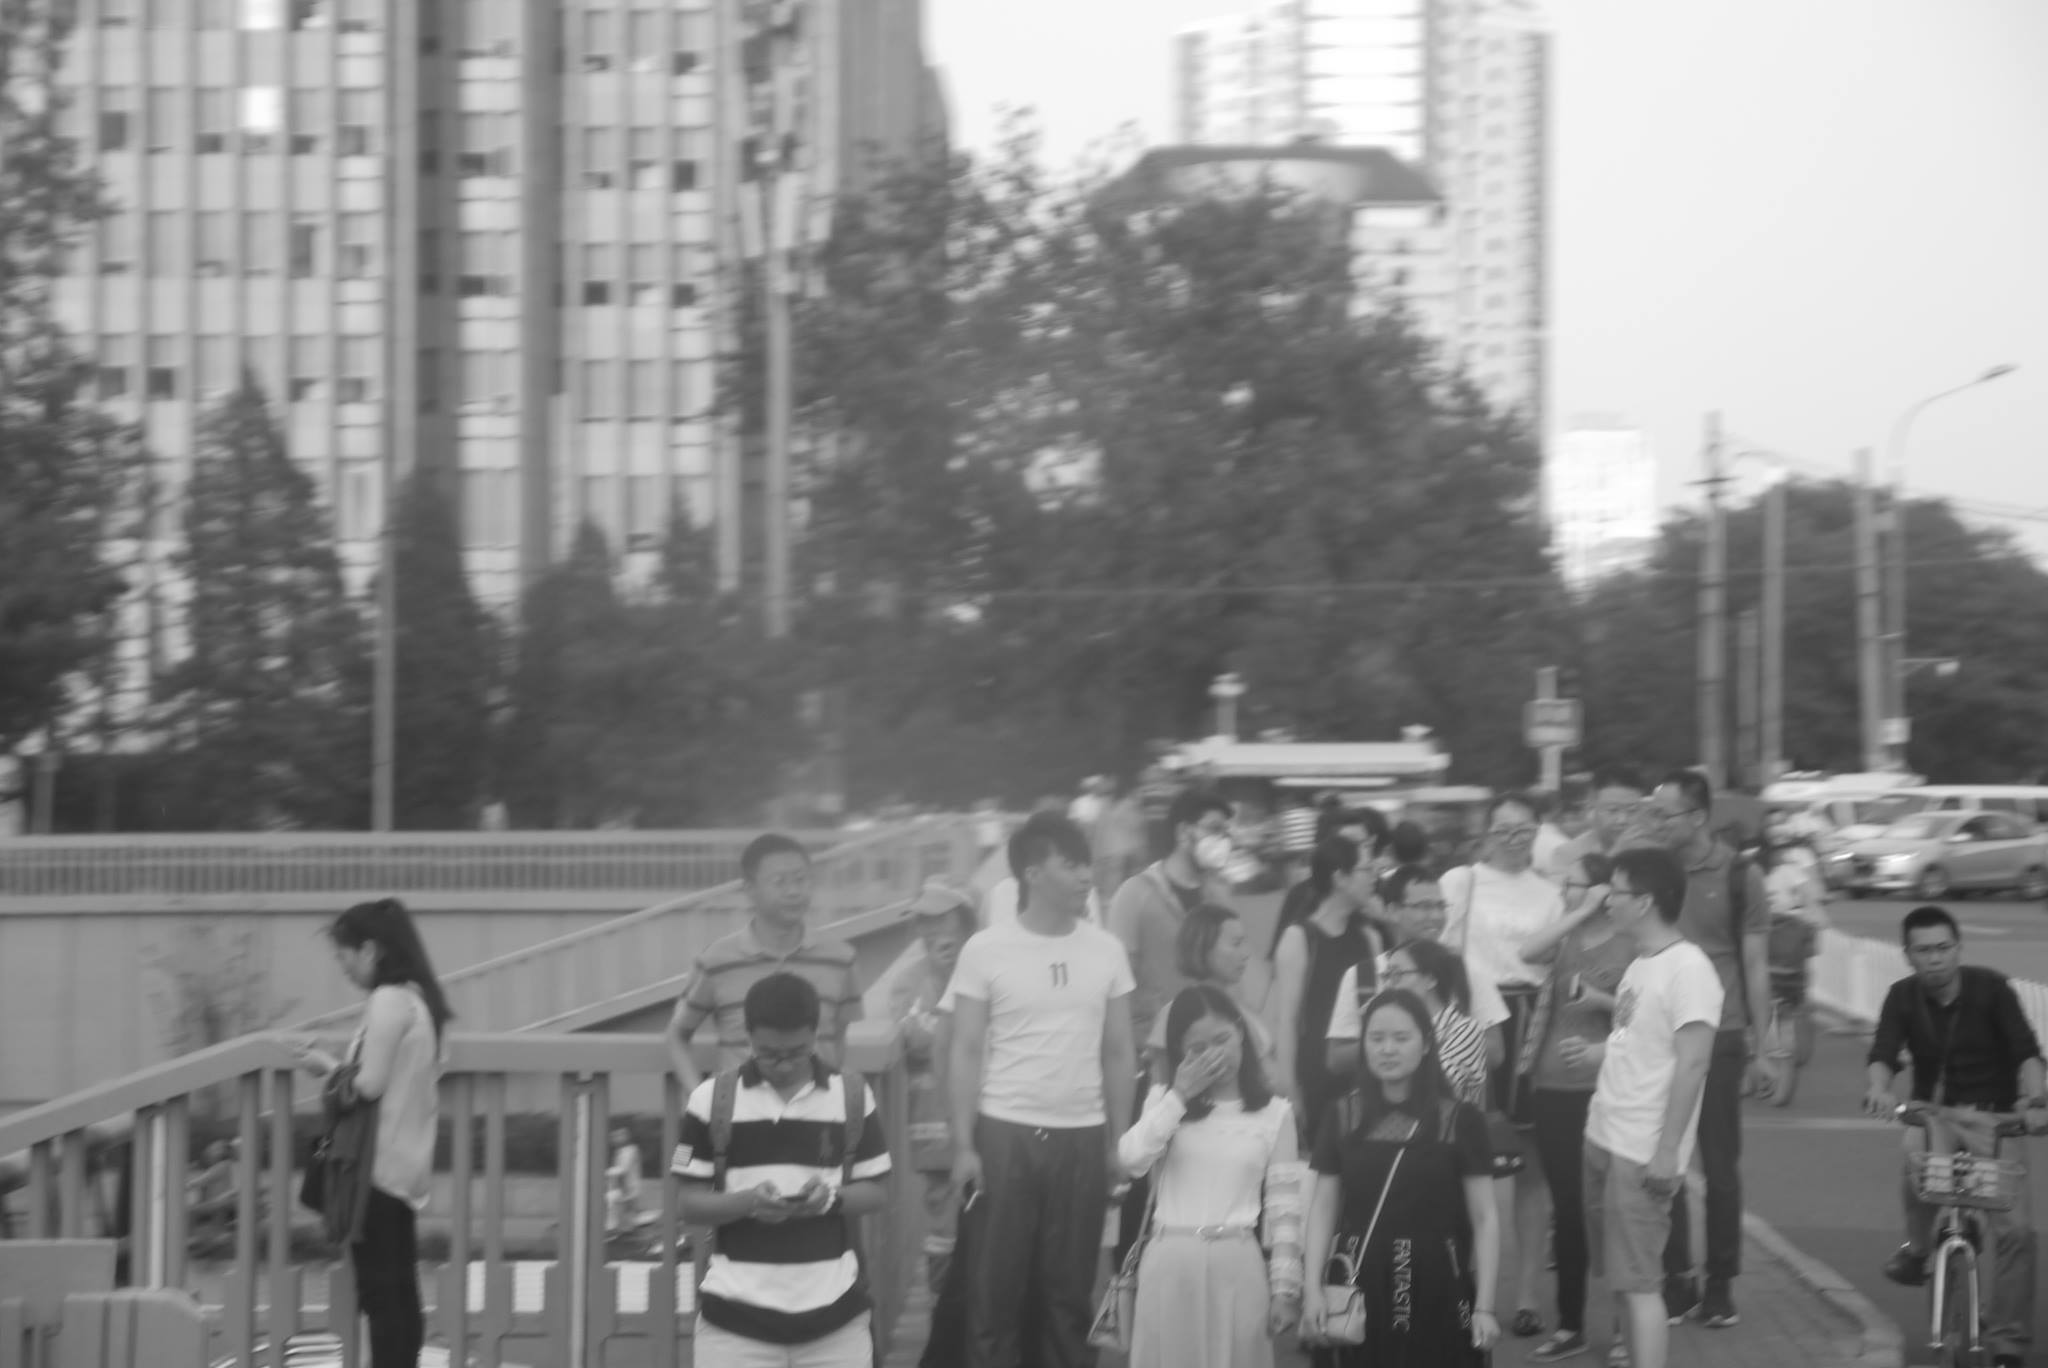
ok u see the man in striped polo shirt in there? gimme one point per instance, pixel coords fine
(777, 873)
(784, 1287)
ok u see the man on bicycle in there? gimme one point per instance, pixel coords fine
(1975, 1057)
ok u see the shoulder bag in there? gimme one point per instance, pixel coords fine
(1119, 1309)
(1344, 1302)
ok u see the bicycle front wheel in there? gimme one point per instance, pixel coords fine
(1956, 1312)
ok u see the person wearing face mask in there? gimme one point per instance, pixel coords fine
(1495, 906)
(1153, 904)
(1336, 940)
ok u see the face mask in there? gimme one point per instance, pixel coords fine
(1213, 852)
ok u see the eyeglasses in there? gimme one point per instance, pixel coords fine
(1425, 905)
(1514, 833)
(791, 1056)
(1391, 974)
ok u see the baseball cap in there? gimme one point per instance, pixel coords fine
(938, 898)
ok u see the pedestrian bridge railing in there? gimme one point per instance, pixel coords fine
(488, 1305)
(854, 883)
(1852, 974)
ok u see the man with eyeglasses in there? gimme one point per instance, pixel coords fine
(1614, 810)
(1975, 1057)
(1728, 915)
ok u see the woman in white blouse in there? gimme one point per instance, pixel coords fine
(1209, 1294)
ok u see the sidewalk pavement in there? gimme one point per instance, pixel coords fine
(1794, 1311)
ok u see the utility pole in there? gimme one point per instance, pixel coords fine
(1749, 760)
(1713, 666)
(1771, 741)
(1869, 596)
(1896, 723)
(1551, 757)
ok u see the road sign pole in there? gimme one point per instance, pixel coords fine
(1551, 757)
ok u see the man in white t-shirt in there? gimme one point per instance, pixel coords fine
(1646, 1106)
(1042, 1082)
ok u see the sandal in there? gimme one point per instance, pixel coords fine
(1528, 1323)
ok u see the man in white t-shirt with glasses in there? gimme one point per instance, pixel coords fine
(1042, 1082)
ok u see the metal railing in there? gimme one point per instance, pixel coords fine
(658, 944)
(339, 863)
(564, 1311)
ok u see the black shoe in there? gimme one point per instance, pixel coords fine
(1717, 1309)
(1907, 1268)
(1681, 1299)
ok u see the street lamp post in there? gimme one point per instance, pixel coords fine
(1226, 689)
(1898, 725)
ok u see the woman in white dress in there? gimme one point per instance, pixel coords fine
(1212, 1293)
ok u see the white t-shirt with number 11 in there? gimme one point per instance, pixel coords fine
(1048, 998)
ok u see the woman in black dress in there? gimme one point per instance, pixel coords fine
(1338, 934)
(1405, 1146)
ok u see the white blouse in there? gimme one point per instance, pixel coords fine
(1491, 914)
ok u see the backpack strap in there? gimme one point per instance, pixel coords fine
(855, 1089)
(1738, 919)
(725, 1092)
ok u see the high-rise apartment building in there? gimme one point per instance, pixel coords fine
(1602, 497)
(493, 239)
(1458, 88)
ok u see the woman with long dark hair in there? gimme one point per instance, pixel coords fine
(1310, 962)
(1214, 948)
(1220, 1147)
(395, 1060)
(1403, 1207)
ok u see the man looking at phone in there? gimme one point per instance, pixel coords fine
(1042, 1076)
(784, 1282)
(1975, 1057)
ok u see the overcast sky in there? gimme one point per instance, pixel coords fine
(1804, 213)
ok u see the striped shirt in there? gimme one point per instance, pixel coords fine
(1461, 1048)
(733, 963)
(799, 1280)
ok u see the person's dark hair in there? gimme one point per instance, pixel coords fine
(1597, 867)
(1697, 791)
(1573, 795)
(1427, 1091)
(1655, 871)
(1200, 1000)
(1394, 887)
(1409, 844)
(401, 954)
(782, 1002)
(1378, 831)
(1043, 835)
(1621, 777)
(1191, 805)
(1925, 918)
(1198, 937)
(1334, 855)
(1440, 962)
(761, 847)
(1511, 798)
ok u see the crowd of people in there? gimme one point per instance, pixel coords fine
(1372, 1148)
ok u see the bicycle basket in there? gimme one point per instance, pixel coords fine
(1966, 1180)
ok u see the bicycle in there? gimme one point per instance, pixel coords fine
(1961, 1187)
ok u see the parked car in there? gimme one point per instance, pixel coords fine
(1933, 854)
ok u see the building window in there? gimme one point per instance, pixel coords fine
(309, 14)
(600, 158)
(309, 121)
(216, 14)
(164, 124)
(262, 117)
(215, 118)
(689, 388)
(117, 243)
(212, 246)
(597, 274)
(600, 390)
(430, 261)
(643, 39)
(430, 142)
(358, 371)
(358, 120)
(360, 16)
(643, 275)
(215, 365)
(308, 368)
(643, 155)
(262, 14)
(643, 390)
(487, 380)
(359, 508)
(646, 510)
(485, 264)
(430, 26)
(305, 247)
(259, 242)
(163, 368)
(486, 145)
(490, 507)
(689, 159)
(116, 121)
(358, 259)
(684, 260)
(163, 251)
(597, 40)
(117, 13)
(116, 364)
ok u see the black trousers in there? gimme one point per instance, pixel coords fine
(1037, 1241)
(387, 1267)
(1560, 1120)
(1720, 1148)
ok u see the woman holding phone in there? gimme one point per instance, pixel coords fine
(1221, 1149)
(1587, 957)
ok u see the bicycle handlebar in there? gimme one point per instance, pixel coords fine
(2008, 1126)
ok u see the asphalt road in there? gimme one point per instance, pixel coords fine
(1829, 1179)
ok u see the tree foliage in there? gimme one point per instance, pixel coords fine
(1088, 450)
(447, 669)
(65, 470)
(269, 708)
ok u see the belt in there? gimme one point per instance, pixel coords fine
(1208, 1232)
